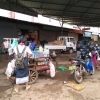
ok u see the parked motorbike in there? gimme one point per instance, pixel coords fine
(82, 66)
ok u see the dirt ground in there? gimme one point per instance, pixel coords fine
(46, 88)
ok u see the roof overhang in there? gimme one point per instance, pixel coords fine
(78, 12)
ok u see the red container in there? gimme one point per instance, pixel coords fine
(42, 67)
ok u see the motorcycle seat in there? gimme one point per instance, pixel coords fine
(79, 60)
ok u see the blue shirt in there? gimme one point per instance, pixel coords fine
(32, 45)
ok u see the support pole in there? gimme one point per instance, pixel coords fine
(62, 27)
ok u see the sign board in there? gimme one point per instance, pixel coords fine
(87, 34)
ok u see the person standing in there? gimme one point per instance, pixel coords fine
(22, 75)
(94, 57)
(32, 45)
(27, 39)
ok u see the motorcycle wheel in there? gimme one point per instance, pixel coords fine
(78, 75)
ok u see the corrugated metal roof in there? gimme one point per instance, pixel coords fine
(79, 12)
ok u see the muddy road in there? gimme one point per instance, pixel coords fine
(46, 88)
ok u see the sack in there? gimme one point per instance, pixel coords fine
(20, 60)
(13, 74)
(10, 68)
(10, 51)
(52, 69)
(89, 66)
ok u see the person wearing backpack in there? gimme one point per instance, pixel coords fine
(22, 53)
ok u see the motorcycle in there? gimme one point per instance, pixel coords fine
(82, 66)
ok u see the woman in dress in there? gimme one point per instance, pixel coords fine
(22, 76)
(94, 57)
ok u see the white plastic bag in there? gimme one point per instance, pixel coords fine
(10, 68)
(10, 51)
(13, 63)
(52, 69)
(90, 54)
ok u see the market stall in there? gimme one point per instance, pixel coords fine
(41, 63)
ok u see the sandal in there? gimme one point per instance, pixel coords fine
(16, 90)
(28, 87)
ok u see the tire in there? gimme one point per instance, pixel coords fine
(78, 75)
(33, 75)
(71, 51)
